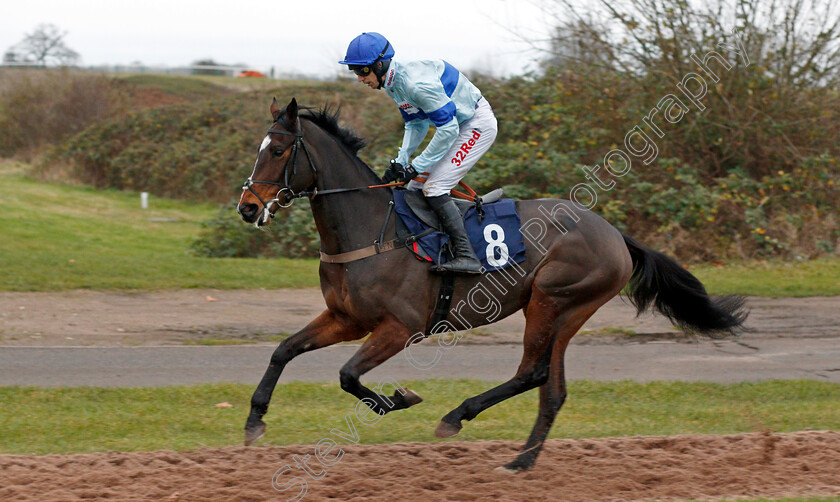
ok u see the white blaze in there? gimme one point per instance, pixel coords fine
(265, 142)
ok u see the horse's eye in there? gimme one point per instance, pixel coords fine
(278, 153)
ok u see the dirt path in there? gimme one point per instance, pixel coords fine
(641, 468)
(86, 318)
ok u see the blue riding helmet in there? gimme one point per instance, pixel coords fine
(367, 49)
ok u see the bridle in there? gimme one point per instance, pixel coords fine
(288, 194)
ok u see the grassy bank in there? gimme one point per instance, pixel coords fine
(59, 237)
(75, 420)
(775, 278)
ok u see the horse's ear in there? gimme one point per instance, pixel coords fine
(292, 112)
(275, 109)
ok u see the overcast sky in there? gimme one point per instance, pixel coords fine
(305, 36)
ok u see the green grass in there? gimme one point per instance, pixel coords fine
(57, 237)
(256, 84)
(776, 279)
(193, 88)
(75, 420)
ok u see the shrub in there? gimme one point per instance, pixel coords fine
(291, 234)
(40, 107)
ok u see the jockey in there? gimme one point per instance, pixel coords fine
(430, 92)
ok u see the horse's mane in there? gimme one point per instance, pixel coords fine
(327, 119)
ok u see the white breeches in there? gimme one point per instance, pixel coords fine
(475, 138)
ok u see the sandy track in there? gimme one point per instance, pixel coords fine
(642, 468)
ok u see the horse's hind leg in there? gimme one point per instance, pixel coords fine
(540, 327)
(553, 391)
(552, 397)
(551, 322)
(326, 329)
(386, 340)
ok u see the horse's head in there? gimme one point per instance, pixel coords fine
(282, 171)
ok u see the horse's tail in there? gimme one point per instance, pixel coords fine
(680, 296)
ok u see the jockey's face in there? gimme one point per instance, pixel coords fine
(371, 80)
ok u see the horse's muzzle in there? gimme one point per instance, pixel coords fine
(249, 212)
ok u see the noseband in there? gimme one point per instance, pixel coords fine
(288, 194)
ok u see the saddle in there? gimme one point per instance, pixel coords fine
(434, 247)
(418, 204)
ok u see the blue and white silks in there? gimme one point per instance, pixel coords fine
(430, 92)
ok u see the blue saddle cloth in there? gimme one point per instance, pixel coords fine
(497, 239)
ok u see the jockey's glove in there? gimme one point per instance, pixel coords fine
(398, 172)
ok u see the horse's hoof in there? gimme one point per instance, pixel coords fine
(412, 398)
(254, 433)
(504, 471)
(447, 430)
(515, 467)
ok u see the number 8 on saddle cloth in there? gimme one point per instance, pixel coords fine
(496, 238)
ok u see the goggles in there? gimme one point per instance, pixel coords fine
(360, 70)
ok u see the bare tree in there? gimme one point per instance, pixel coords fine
(44, 46)
(796, 42)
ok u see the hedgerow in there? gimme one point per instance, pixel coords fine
(550, 127)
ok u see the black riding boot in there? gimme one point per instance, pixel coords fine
(465, 261)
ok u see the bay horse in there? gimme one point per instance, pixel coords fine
(575, 264)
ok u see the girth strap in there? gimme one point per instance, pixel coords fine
(358, 254)
(373, 250)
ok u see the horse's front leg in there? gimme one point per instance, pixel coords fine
(327, 329)
(386, 340)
